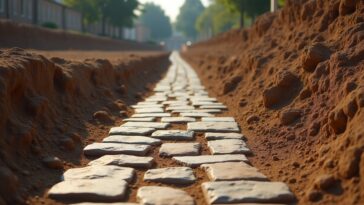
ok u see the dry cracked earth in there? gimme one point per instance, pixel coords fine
(177, 148)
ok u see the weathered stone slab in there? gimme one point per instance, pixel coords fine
(152, 115)
(175, 103)
(188, 107)
(100, 172)
(156, 99)
(149, 110)
(147, 106)
(128, 139)
(218, 119)
(195, 114)
(178, 119)
(130, 131)
(89, 190)
(170, 175)
(179, 149)
(158, 195)
(203, 103)
(213, 126)
(246, 192)
(228, 146)
(203, 98)
(99, 149)
(232, 171)
(140, 119)
(156, 125)
(124, 161)
(222, 136)
(173, 134)
(213, 106)
(148, 103)
(195, 161)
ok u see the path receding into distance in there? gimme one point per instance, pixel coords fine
(176, 149)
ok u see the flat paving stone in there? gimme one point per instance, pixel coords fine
(99, 149)
(147, 106)
(213, 126)
(173, 134)
(195, 114)
(149, 110)
(140, 119)
(157, 195)
(232, 171)
(217, 119)
(179, 149)
(228, 146)
(171, 175)
(246, 192)
(203, 103)
(178, 119)
(100, 172)
(171, 108)
(222, 136)
(156, 125)
(131, 131)
(128, 139)
(124, 161)
(195, 161)
(89, 190)
(152, 115)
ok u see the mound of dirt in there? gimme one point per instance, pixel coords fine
(299, 74)
(50, 108)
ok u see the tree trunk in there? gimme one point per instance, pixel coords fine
(241, 15)
(242, 19)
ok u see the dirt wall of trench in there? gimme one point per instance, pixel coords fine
(295, 82)
(53, 107)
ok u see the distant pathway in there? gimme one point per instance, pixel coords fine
(176, 149)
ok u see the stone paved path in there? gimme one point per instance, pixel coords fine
(174, 150)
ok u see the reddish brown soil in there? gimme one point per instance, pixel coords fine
(295, 83)
(47, 107)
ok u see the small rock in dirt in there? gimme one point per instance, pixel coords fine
(9, 184)
(102, 116)
(275, 158)
(314, 195)
(314, 55)
(252, 118)
(67, 143)
(232, 84)
(314, 129)
(296, 164)
(243, 102)
(325, 182)
(290, 116)
(286, 88)
(53, 162)
(337, 121)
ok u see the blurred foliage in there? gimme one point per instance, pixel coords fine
(247, 8)
(216, 19)
(186, 20)
(50, 25)
(116, 12)
(157, 21)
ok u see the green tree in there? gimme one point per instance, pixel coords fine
(116, 12)
(157, 21)
(216, 19)
(186, 20)
(251, 8)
